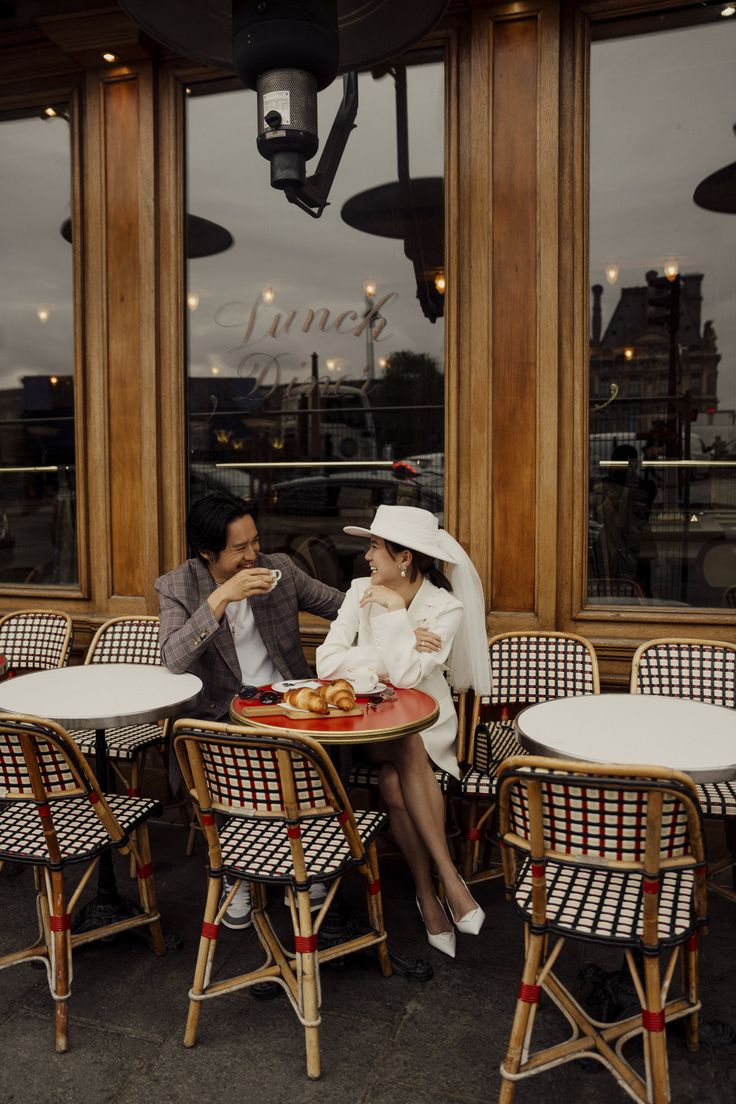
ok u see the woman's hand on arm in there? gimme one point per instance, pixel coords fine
(427, 641)
(382, 596)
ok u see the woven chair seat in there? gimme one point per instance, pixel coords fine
(261, 851)
(478, 784)
(122, 743)
(606, 905)
(492, 747)
(366, 774)
(79, 830)
(717, 799)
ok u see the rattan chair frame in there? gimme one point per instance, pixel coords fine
(41, 765)
(715, 692)
(31, 652)
(479, 812)
(530, 775)
(297, 972)
(103, 635)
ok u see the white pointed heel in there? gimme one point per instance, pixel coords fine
(471, 922)
(441, 941)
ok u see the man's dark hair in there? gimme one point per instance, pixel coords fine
(209, 518)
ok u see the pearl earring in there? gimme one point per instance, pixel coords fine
(403, 573)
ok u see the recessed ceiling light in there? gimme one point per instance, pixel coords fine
(109, 57)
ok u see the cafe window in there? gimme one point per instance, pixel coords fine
(662, 370)
(316, 346)
(37, 449)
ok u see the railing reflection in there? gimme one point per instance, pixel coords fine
(38, 539)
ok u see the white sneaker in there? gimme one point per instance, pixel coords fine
(317, 894)
(240, 911)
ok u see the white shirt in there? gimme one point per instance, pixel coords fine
(256, 665)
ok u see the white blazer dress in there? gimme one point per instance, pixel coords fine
(387, 642)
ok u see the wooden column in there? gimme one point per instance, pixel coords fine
(120, 257)
(507, 346)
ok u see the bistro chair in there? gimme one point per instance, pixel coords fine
(289, 825)
(56, 816)
(131, 639)
(613, 856)
(704, 670)
(35, 640)
(526, 668)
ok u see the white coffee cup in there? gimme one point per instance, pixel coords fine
(275, 575)
(363, 678)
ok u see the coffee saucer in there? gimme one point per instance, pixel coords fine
(377, 689)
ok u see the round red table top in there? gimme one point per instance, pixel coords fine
(410, 711)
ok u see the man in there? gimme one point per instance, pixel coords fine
(222, 616)
(225, 618)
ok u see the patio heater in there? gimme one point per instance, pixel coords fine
(410, 209)
(288, 51)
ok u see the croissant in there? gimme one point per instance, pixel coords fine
(306, 698)
(341, 694)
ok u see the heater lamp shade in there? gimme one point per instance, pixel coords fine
(204, 237)
(370, 31)
(718, 191)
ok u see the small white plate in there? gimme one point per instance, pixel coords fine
(377, 689)
(295, 684)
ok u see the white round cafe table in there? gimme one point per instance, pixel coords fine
(644, 729)
(100, 695)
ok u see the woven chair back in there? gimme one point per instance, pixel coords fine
(253, 773)
(702, 670)
(40, 763)
(126, 640)
(591, 815)
(536, 667)
(36, 640)
(35, 762)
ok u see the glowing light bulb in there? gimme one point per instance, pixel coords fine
(728, 10)
(671, 269)
(383, 362)
(628, 353)
(331, 365)
(214, 370)
(612, 272)
(440, 282)
(53, 380)
(192, 300)
(49, 112)
(42, 314)
(268, 295)
(109, 57)
(370, 288)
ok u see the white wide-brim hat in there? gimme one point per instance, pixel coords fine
(409, 527)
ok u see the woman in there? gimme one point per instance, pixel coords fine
(411, 621)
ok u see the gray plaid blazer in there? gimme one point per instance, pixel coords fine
(192, 639)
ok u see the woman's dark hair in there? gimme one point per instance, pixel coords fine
(209, 518)
(422, 563)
